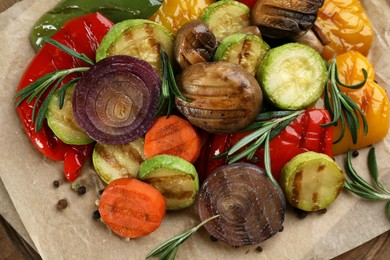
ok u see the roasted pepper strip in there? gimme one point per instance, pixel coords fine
(301, 135)
(83, 35)
(346, 25)
(114, 10)
(174, 13)
(371, 98)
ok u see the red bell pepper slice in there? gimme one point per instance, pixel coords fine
(83, 34)
(301, 135)
(249, 3)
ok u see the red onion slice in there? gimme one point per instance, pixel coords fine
(251, 208)
(114, 102)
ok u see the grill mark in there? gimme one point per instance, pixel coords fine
(297, 185)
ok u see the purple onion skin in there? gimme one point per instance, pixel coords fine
(115, 101)
(250, 208)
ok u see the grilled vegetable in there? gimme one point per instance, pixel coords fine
(139, 38)
(371, 99)
(61, 120)
(292, 76)
(174, 177)
(174, 136)
(49, 60)
(194, 43)
(173, 14)
(113, 162)
(250, 208)
(303, 134)
(114, 102)
(346, 26)
(224, 96)
(247, 50)
(311, 181)
(226, 17)
(114, 10)
(285, 19)
(131, 208)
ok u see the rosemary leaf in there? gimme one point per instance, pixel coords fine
(279, 128)
(62, 91)
(358, 112)
(373, 168)
(272, 114)
(168, 249)
(352, 174)
(387, 209)
(364, 194)
(359, 186)
(267, 162)
(352, 124)
(341, 107)
(249, 151)
(263, 132)
(249, 138)
(355, 86)
(68, 50)
(169, 89)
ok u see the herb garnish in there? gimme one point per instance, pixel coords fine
(169, 89)
(265, 127)
(168, 249)
(361, 187)
(48, 84)
(342, 107)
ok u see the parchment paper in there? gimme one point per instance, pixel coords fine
(72, 233)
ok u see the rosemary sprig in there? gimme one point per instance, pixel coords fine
(265, 128)
(341, 107)
(42, 90)
(361, 187)
(169, 90)
(71, 52)
(168, 249)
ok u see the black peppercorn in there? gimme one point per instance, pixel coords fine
(214, 239)
(62, 204)
(81, 190)
(96, 214)
(355, 153)
(56, 184)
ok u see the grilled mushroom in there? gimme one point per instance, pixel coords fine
(194, 43)
(285, 19)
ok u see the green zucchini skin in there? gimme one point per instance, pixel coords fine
(174, 177)
(292, 76)
(311, 181)
(226, 17)
(140, 38)
(247, 50)
(114, 10)
(62, 121)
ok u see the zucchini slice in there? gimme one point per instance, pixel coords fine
(174, 177)
(292, 76)
(139, 38)
(226, 17)
(311, 181)
(112, 162)
(62, 121)
(247, 50)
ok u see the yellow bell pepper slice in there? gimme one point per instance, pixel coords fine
(175, 13)
(346, 25)
(371, 98)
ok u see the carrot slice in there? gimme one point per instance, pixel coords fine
(131, 208)
(173, 136)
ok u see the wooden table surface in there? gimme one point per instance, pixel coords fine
(13, 246)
